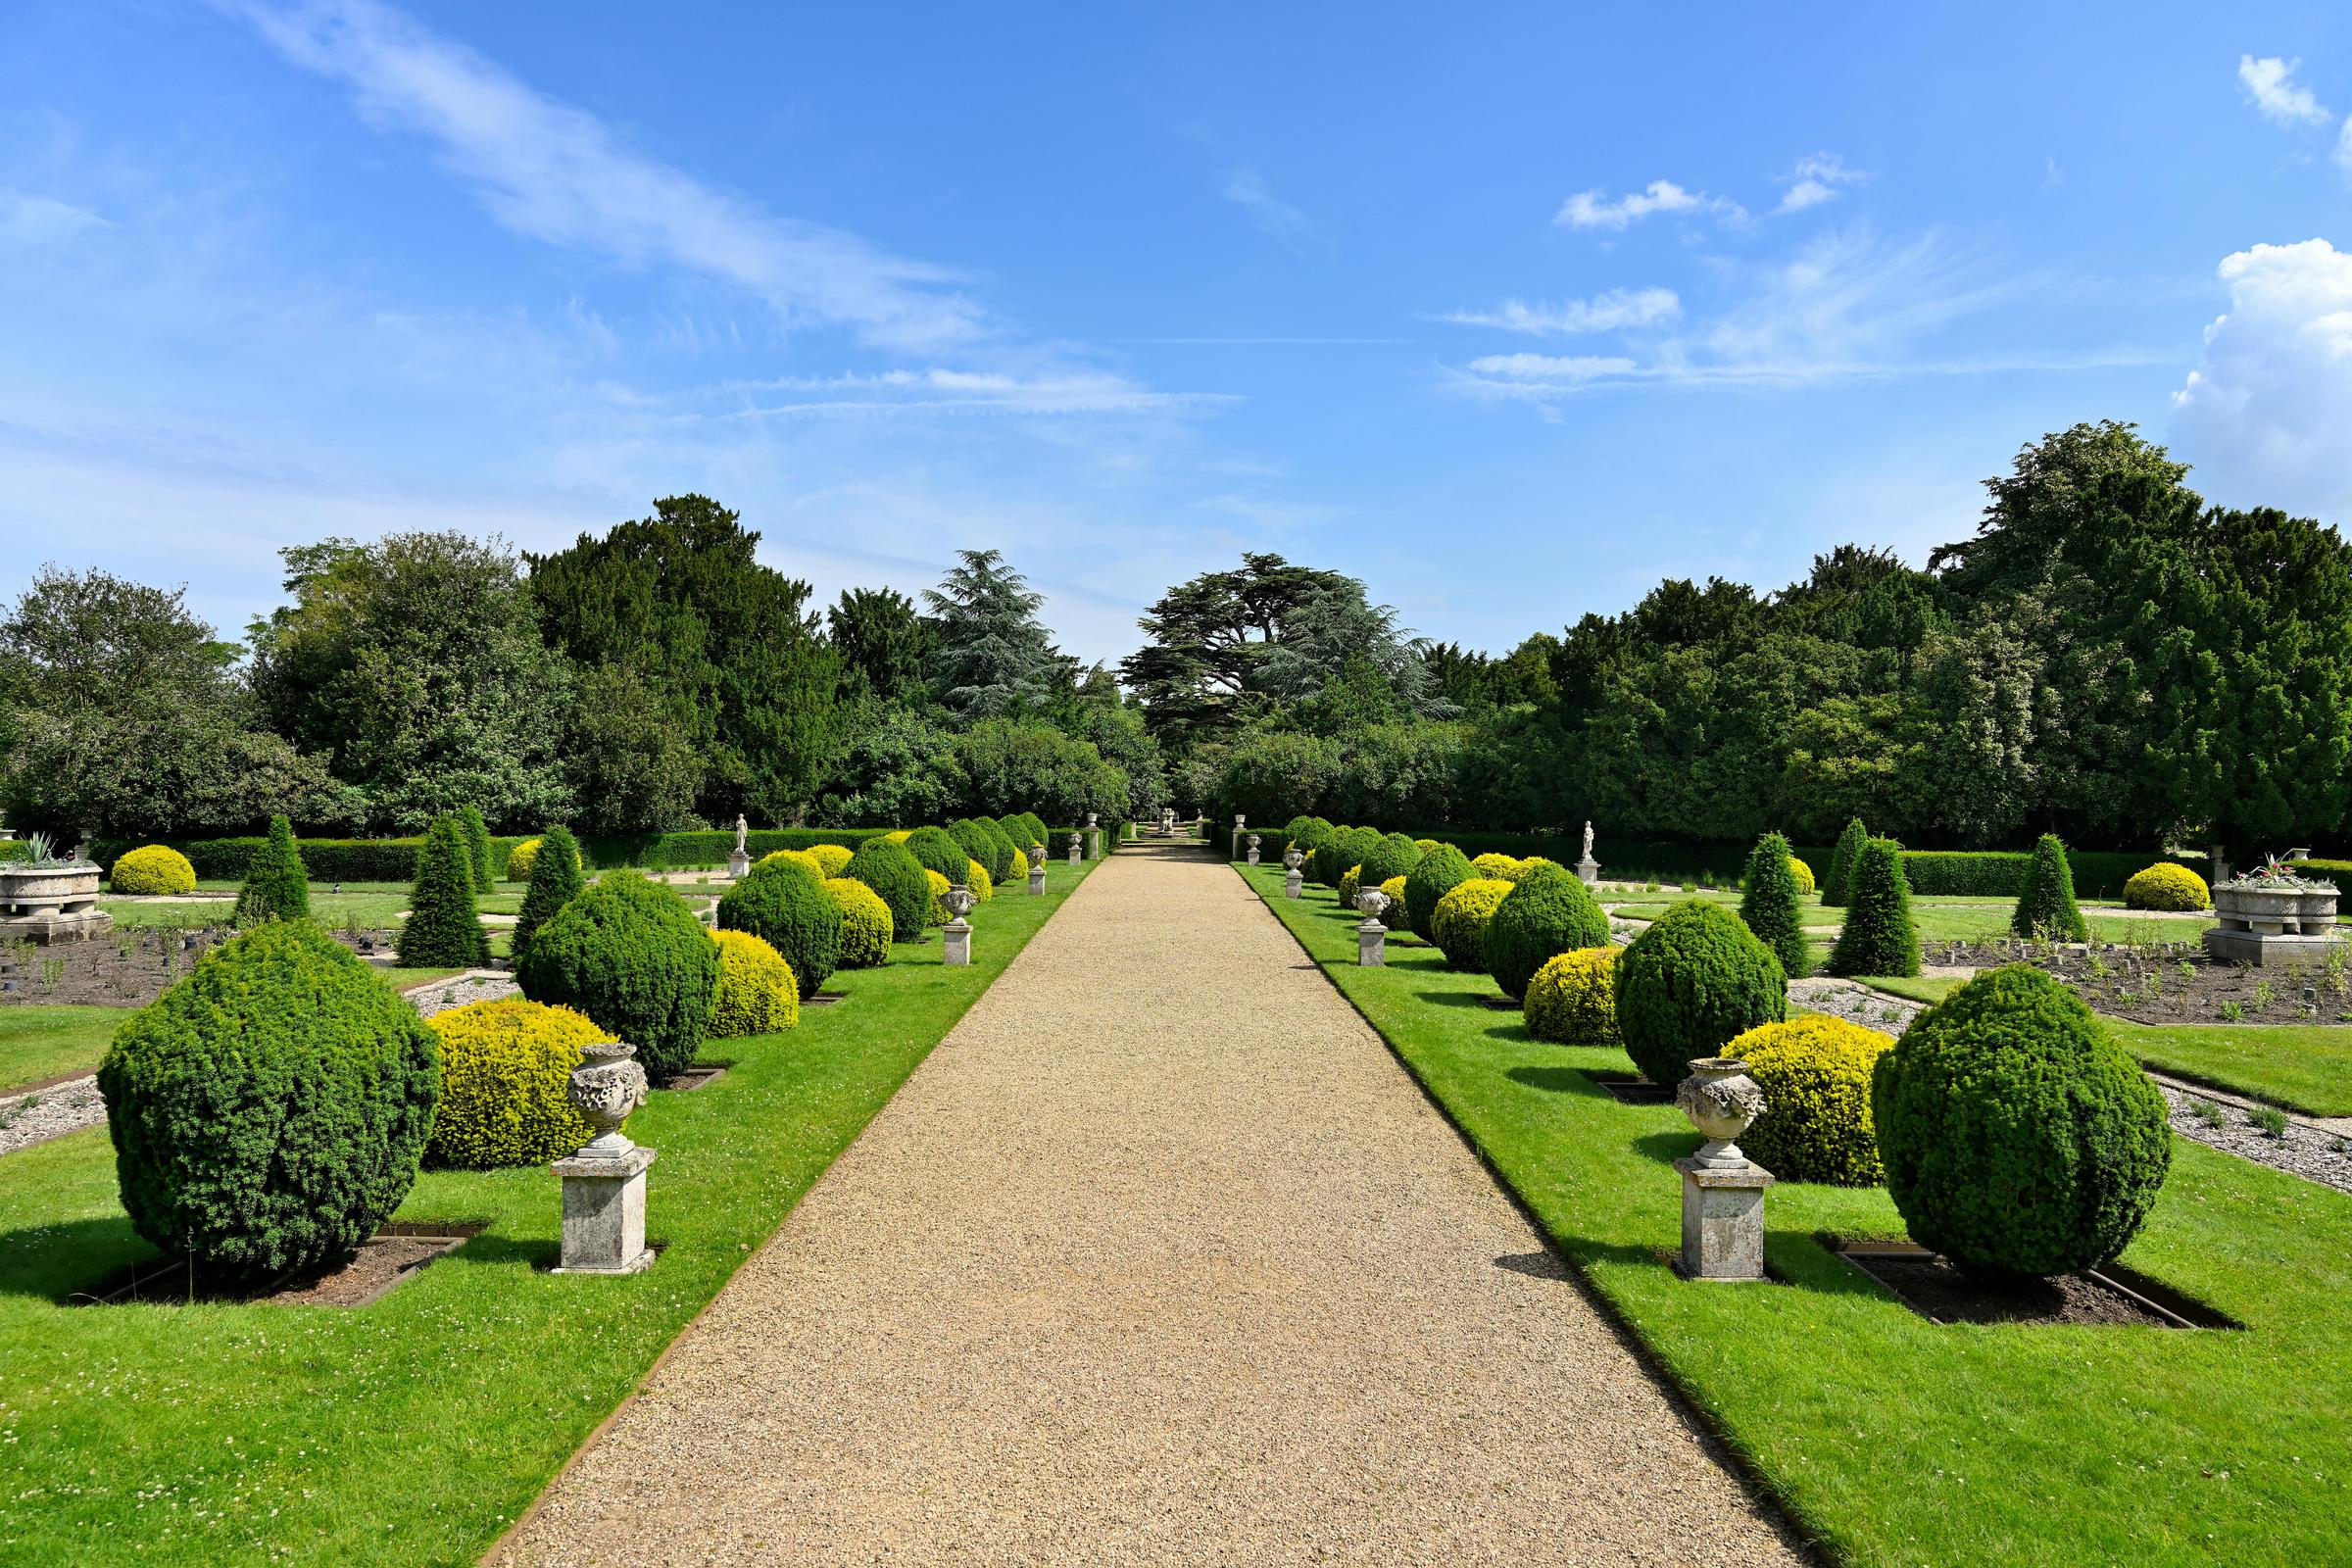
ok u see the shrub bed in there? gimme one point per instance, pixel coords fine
(785, 904)
(757, 994)
(1814, 1072)
(630, 954)
(504, 1069)
(1547, 913)
(1572, 999)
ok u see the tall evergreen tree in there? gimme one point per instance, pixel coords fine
(1838, 885)
(993, 655)
(2045, 908)
(477, 847)
(443, 930)
(1768, 903)
(557, 876)
(882, 641)
(1878, 937)
(276, 887)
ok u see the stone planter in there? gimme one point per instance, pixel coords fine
(2270, 923)
(51, 904)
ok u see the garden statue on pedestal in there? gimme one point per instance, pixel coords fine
(1294, 860)
(957, 935)
(739, 864)
(1723, 1189)
(604, 1183)
(1372, 937)
(1587, 869)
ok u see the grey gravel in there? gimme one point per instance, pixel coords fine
(2302, 1149)
(40, 1115)
(1159, 1259)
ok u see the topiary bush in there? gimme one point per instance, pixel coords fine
(800, 859)
(897, 879)
(1351, 884)
(1878, 937)
(152, 870)
(506, 1067)
(935, 850)
(1498, 867)
(276, 887)
(1835, 889)
(555, 879)
(1572, 999)
(1458, 924)
(1689, 984)
(477, 848)
(630, 954)
(2167, 887)
(1348, 848)
(1768, 905)
(270, 1110)
(831, 858)
(2046, 907)
(442, 930)
(1439, 872)
(2019, 1137)
(1548, 913)
(1393, 887)
(866, 924)
(1802, 875)
(786, 905)
(1309, 834)
(757, 994)
(1815, 1071)
(982, 847)
(976, 877)
(1393, 855)
(936, 889)
(521, 858)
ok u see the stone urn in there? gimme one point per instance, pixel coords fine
(959, 901)
(604, 1088)
(51, 903)
(2274, 908)
(1036, 857)
(1293, 859)
(1722, 1101)
(1373, 904)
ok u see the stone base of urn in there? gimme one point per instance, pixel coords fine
(1372, 945)
(1723, 1222)
(1037, 879)
(1292, 884)
(604, 1212)
(66, 925)
(53, 904)
(955, 940)
(2260, 948)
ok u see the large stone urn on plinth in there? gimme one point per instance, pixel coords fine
(604, 1183)
(51, 903)
(1240, 822)
(1037, 868)
(1252, 848)
(1723, 1189)
(1094, 836)
(2272, 915)
(1077, 850)
(957, 935)
(1372, 937)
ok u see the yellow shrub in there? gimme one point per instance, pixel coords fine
(938, 888)
(1814, 1072)
(1533, 861)
(521, 858)
(1393, 887)
(2165, 887)
(1498, 867)
(800, 857)
(976, 878)
(866, 929)
(756, 992)
(1459, 922)
(1803, 874)
(1350, 885)
(1425, 844)
(504, 1070)
(153, 868)
(901, 836)
(829, 858)
(1573, 999)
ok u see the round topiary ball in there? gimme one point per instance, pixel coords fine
(1572, 999)
(1815, 1071)
(756, 992)
(630, 954)
(151, 870)
(1440, 870)
(937, 887)
(935, 850)
(270, 1110)
(1690, 984)
(1458, 924)
(506, 1069)
(784, 903)
(830, 858)
(2019, 1137)
(976, 878)
(1498, 867)
(1548, 913)
(897, 879)
(1035, 826)
(522, 858)
(1803, 873)
(1394, 912)
(794, 857)
(1393, 855)
(1308, 834)
(1348, 850)
(982, 847)
(2167, 887)
(865, 925)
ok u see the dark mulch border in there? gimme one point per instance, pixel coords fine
(393, 1254)
(2107, 1297)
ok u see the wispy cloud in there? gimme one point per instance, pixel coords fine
(1554, 369)
(1248, 189)
(1817, 179)
(2269, 83)
(940, 390)
(26, 219)
(1594, 209)
(559, 174)
(1606, 311)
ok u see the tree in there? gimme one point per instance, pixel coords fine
(276, 885)
(2045, 907)
(1878, 937)
(1768, 903)
(630, 760)
(442, 930)
(1199, 674)
(1838, 885)
(557, 876)
(1023, 764)
(883, 643)
(477, 848)
(993, 655)
(900, 766)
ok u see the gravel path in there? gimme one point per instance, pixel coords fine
(1159, 1259)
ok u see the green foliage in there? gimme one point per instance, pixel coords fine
(983, 845)
(477, 848)
(1459, 923)
(2167, 887)
(1349, 846)
(1000, 762)
(277, 888)
(1034, 824)
(883, 643)
(1768, 903)
(2046, 906)
(443, 928)
(757, 993)
(1815, 1071)
(1202, 669)
(1836, 889)
(555, 879)
(897, 879)
(506, 1068)
(630, 954)
(269, 1112)
(2019, 1137)
(936, 850)
(1393, 855)
(1548, 911)
(1878, 937)
(1695, 980)
(1573, 999)
(152, 870)
(1435, 874)
(790, 910)
(865, 924)
(992, 654)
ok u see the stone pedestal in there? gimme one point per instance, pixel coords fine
(1037, 868)
(739, 865)
(1588, 871)
(1077, 852)
(1293, 883)
(1372, 937)
(604, 1212)
(1723, 1220)
(957, 935)
(1094, 837)
(1252, 848)
(1238, 822)
(1294, 860)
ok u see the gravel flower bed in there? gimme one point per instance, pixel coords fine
(2287, 1144)
(40, 1115)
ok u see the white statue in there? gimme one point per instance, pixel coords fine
(742, 828)
(1588, 839)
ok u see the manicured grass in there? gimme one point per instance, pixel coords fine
(372, 909)
(1894, 1441)
(42, 1043)
(413, 1431)
(2305, 1067)
(1930, 989)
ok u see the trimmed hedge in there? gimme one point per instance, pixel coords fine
(1878, 937)
(152, 870)
(477, 848)
(270, 1110)
(866, 924)
(506, 1068)
(630, 954)
(394, 859)
(1458, 924)
(897, 879)
(2046, 906)
(1691, 983)
(2168, 887)
(1439, 872)
(443, 928)
(1547, 913)
(757, 993)
(1815, 1071)
(2019, 1137)
(1573, 999)
(1393, 855)
(787, 907)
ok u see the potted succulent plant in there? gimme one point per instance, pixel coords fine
(47, 896)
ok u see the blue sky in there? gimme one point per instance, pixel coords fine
(1509, 313)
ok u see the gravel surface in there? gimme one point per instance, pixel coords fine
(2300, 1149)
(44, 1114)
(1159, 1259)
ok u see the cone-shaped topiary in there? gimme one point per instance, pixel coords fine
(153, 868)
(1348, 848)
(935, 850)
(864, 923)
(1393, 855)
(1694, 981)
(1815, 1071)
(555, 879)
(2019, 1137)
(276, 887)
(442, 930)
(270, 1110)
(787, 907)
(1573, 999)
(477, 848)
(1837, 886)
(1439, 872)
(1768, 903)
(1548, 913)
(897, 879)
(756, 992)
(2164, 886)
(1458, 924)
(1878, 937)
(630, 954)
(506, 1069)
(2046, 906)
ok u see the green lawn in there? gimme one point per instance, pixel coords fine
(1955, 919)
(1894, 1441)
(413, 1431)
(2305, 1067)
(40, 1043)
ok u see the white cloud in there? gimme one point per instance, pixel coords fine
(26, 219)
(937, 389)
(2267, 408)
(1554, 369)
(2343, 147)
(559, 174)
(1248, 189)
(2269, 83)
(1603, 312)
(1815, 180)
(1591, 208)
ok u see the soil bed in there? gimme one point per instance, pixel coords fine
(2174, 982)
(1933, 1286)
(391, 1255)
(128, 967)
(1632, 1089)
